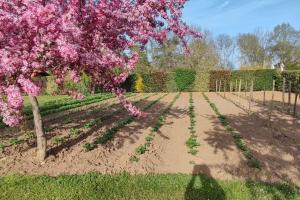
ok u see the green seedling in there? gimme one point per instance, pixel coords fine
(141, 150)
(134, 159)
(89, 147)
(29, 136)
(15, 141)
(74, 131)
(58, 140)
(2, 147)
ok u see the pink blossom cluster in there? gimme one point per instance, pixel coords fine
(75, 36)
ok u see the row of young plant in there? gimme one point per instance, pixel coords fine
(75, 132)
(110, 132)
(140, 150)
(63, 105)
(192, 143)
(29, 136)
(238, 139)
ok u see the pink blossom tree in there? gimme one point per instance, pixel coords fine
(76, 36)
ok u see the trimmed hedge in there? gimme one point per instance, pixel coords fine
(262, 78)
(155, 81)
(202, 81)
(184, 78)
(217, 75)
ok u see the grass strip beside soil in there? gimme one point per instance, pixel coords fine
(94, 186)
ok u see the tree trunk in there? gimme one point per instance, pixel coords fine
(39, 131)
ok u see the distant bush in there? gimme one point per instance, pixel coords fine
(185, 79)
(155, 81)
(139, 85)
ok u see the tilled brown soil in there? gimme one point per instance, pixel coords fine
(276, 145)
(217, 154)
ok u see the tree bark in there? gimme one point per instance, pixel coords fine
(39, 131)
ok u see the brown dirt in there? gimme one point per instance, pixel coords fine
(279, 153)
(218, 156)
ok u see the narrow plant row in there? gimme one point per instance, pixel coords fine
(73, 133)
(238, 139)
(63, 105)
(148, 139)
(110, 132)
(192, 143)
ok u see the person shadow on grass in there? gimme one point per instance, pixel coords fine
(206, 188)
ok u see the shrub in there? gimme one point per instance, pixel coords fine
(129, 84)
(184, 79)
(155, 81)
(139, 85)
(201, 81)
(217, 75)
(171, 85)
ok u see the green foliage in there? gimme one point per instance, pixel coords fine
(139, 85)
(110, 132)
(184, 79)
(141, 150)
(171, 85)
(89, 147)
(129, 84)
(83, 86)
(192, 143)
(155, 81)
(58, 140)
(29, 135)
(2, 147)
(201, 81)
(74, 131)
(94, 186)
(51, 86)
(15, 141)
(262, 78)
(290, 76)
(134, 158)
(217, 75)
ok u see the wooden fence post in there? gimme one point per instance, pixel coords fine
(230, 87)
(272, 103)
(224, 88)
(246, 87)
(283, 93)
(289, 100)
(236, 85)
(220, 85)
(216, 86)
(295, 105)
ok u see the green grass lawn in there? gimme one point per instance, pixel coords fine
(124, 186)
(44, 99)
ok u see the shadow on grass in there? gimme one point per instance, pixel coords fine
(208, 187)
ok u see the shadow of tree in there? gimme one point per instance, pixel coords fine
(279, 155)
(207, 188)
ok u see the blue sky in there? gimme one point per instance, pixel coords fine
(240, 16)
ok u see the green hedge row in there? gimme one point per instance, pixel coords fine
(179, 80)
(202, 81)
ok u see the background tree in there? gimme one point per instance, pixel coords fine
(284, 41)
(251, 52)
(225, 46)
